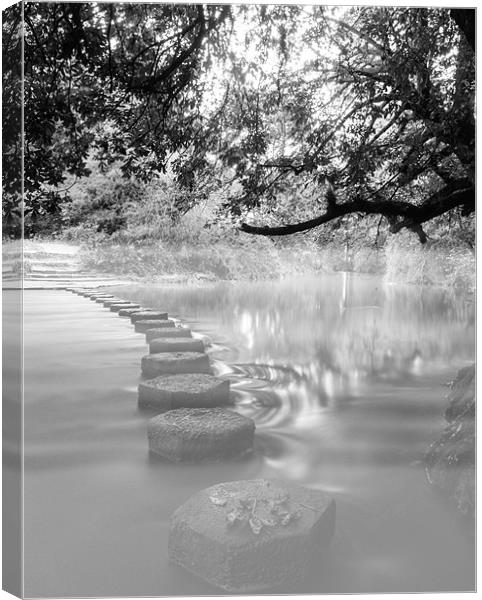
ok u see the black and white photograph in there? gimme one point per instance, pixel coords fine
(238, 299)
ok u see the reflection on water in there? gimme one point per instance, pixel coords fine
(344, 379)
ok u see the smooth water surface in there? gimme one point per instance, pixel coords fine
(345, 379)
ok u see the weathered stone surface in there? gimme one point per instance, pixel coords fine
(196, 434)
(118, 307)
(193, 390)
(127, 312)
(149, 315)
(102, 299)
(166, 344)
(97, 295)
(167, 332)
(450, 460)
(245, 536)
(167, 363)
(143, 326)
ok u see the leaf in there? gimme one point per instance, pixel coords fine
(256, 525)
(245, 503)
(268, 521)
(218, 499)
(236, 515)
(286, 519)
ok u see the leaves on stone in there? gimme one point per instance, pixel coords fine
(257, 512)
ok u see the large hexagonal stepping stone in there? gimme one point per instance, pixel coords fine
(170, 363)
(245, 536)
(118, 307)
(143, 326)
(194, 434)
(175, 345)
(194, 390)
(149, 315)
(167, 332)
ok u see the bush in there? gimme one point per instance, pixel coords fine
(435, 263)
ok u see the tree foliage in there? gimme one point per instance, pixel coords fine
(365, 110)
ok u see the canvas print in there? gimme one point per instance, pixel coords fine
(238, 299)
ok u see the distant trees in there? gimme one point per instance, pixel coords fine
(366, 110)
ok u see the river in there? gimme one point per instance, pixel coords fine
(345, 378)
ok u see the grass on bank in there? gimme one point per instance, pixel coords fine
(400, 261)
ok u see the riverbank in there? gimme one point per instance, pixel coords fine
(260, 259)
(401, 260)
(450, 460)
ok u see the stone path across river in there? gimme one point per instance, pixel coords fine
(49, 265)
(266, 537)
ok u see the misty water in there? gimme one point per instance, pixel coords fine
(345, 378)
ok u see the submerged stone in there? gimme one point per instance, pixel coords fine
(167, 332)
(118, 307)
(143, 326)
(196, 390)
(167, 363)
(195, 434)
(245, 536)
(166, 344)
(149, 315)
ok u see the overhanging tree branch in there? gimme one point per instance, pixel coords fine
(457, 193)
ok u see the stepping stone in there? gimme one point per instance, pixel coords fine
(118, 307)
(100, 296)
(102, 299)
(167, 363)
(162, 344)
(110, 301)
(194, 434)
(194, 390)
(143, 326)
(245, 536)
(148, 314)
(167, 332)
(127, 312)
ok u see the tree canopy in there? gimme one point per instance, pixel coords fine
(362, 110)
